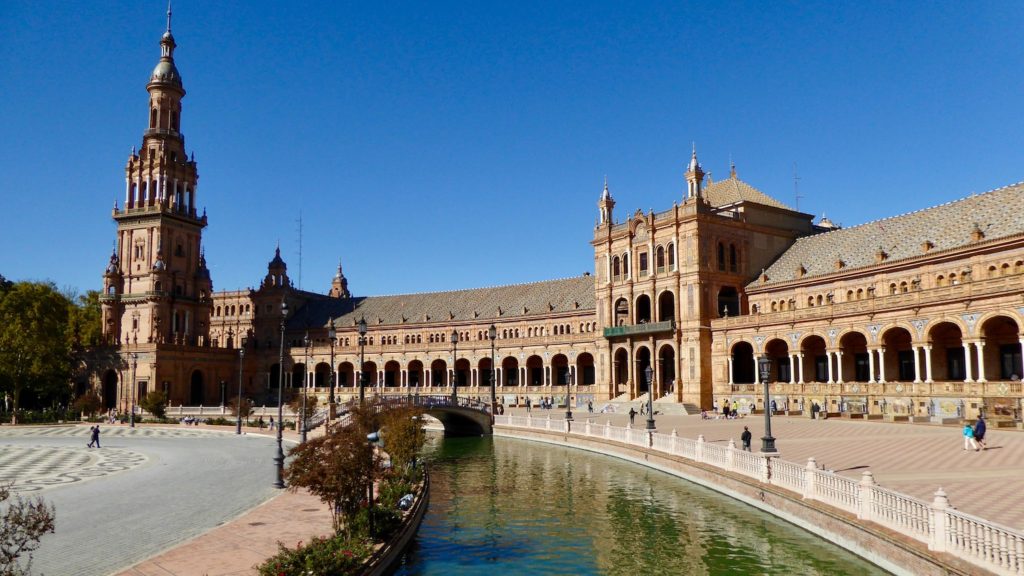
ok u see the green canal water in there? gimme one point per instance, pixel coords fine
(501, 506)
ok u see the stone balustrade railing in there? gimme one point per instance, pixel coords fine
(936, 524)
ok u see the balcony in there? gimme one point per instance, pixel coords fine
(639, 329)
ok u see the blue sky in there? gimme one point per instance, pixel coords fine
(439, 145)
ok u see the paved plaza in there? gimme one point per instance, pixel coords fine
(146, 490)
(181, 501)
(915, 459)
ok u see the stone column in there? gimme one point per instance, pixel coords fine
(928, 364)
(980, 345)
(839, 366)
(800, 365)
(828, 366)
(917, 364)
(871, 366)
(757, 373)
(730, 370)
(881, 365)
(792, 368)
(968, 372)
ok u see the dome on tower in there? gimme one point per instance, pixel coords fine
(166, 72)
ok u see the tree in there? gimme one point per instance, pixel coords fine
(296, 406)
(403, 434)
(34, 350)
(88, 403)
(155, 403)
(337, 467)
(243, 409)
(25, 521)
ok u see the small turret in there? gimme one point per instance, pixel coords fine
(605, 206)
(694, 177)
(339, 286)
(277, 271)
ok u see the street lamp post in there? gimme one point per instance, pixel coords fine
(238, 399)
(455, 367)
(764, 366)
(332, 334)
(649, 375)
(131, 417)
(362, 375)
(569, 377)
(223, 394)
(492, 333)
(305, 381)
(279, 458)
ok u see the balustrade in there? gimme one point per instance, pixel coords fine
(994, 547)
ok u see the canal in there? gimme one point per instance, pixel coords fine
(502, 506)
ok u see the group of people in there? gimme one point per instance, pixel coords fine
(974, 436)
(192, 421)
(729, 411)
(546, 403)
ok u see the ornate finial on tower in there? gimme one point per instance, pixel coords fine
(694, 176)
(339, 286)
(732, 167)
(168, 16)
(605, 205)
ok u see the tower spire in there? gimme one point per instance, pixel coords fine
(168, 16)
(694, 176)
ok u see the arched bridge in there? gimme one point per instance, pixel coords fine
(461, 417)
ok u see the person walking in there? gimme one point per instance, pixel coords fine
(979, 431)
(528, 404)
(94, 436)
(745, 437)
(969, 437)
(590, 406)
(632, 415)
(271, 422)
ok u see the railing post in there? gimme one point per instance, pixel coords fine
(547, 423)
(866, 510)
(607, 430)
(699, 452)
(730, 455)
(586, 427)
(810, 475)
(766, 469)
(675, 441)
(650, 439)
(940, 522)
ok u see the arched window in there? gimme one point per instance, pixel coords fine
(892, 288)
(721, 256)
(152, 118)
(940, 281)
(671, 256)
(615, 267)
(660, 256)
(732, 258)
(625, 264)
(775, 306)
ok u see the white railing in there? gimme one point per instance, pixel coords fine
(983, 543)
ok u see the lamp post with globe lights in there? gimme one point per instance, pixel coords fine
(279, 458)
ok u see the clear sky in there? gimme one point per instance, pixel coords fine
(435, 145)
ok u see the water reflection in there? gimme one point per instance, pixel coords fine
(505, 506)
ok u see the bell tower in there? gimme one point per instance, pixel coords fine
(157, 287)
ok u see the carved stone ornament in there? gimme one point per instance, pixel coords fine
(971, 320)
(794, 337)
(759, 340)
(873, 329)
(919, 324)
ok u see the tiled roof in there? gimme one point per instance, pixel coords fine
(997, 214)
(479, 304)
(733, 190)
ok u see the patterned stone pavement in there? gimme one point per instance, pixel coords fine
(150, 489)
